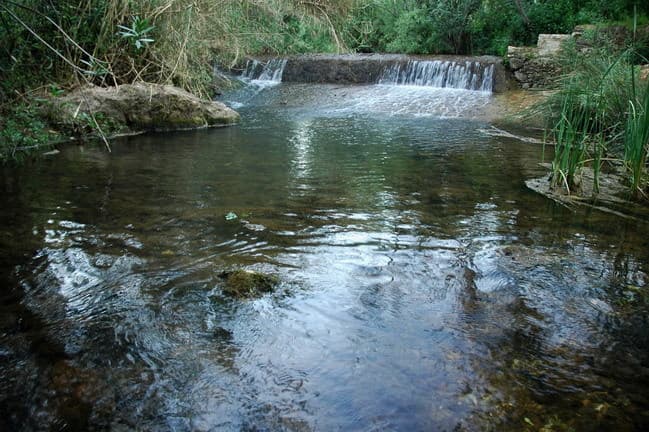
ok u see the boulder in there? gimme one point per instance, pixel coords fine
(140, 107)
(247, 284)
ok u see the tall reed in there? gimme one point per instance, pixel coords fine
(636, 141)
(598, 115)
(573, 140)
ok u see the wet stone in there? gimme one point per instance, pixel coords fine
(247, 284)
(81, 396)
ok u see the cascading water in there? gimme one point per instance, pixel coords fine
(270, 71)
(470, 75)
(417, 87)
(257, 76)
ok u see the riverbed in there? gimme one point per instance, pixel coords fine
(422, 285)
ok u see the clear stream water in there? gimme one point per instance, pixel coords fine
(423, 287)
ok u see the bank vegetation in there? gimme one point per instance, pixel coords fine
(49, 47)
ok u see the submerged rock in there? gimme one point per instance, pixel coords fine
(139, 107)
(246, 284)
(613, 196)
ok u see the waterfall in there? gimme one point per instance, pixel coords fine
(271, 71)
(470, 75)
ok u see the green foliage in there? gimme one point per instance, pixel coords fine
(388, 26)
(597, 82)
(495, 26)
(138, 32)
(451, 20)
(302, 35)
(108, 41)
(416, 26)
(55, 90)
(22, 130)
(552, 16)
(610, 10)
(410, 33)
(26, 62)
(474, 26)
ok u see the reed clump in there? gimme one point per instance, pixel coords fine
(636, 142)
(599, 118)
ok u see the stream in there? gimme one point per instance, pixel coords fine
(422, 285)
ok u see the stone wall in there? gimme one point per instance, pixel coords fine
(537, 67)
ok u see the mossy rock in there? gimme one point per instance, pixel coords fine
(248, 284)
(140, 107)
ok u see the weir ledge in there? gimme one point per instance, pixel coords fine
(369, 68)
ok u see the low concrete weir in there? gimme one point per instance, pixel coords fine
(468, 75)
(271, 70)
(485, 73)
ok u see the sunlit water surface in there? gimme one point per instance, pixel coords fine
(423, 287)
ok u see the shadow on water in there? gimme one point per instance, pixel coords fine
(423, 287)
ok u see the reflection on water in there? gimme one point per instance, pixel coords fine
(422, 286)
(300, 170)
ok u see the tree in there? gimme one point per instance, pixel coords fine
(451, 23)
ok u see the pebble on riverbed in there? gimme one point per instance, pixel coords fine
(247, 284)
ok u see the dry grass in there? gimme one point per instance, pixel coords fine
(191, 35)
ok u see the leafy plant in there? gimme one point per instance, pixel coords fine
(138, 32)
(22, 130)
(94, 68)
(55, 90)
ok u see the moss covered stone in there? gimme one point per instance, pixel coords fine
(141, 107)
(247, 284)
